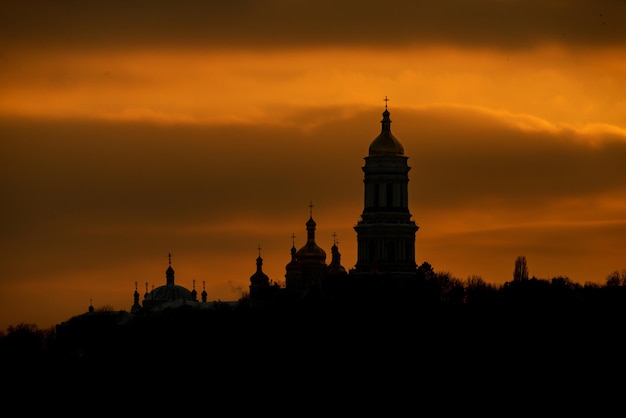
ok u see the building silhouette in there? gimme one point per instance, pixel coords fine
(169, 295)
(386, 232)
(309, 342)
(385, 239)
(385, 236)
(306, 272)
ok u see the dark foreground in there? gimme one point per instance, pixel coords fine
(316, 356)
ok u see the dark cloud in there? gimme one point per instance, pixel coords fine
(151, 172)
(479, 156)
(325, 23)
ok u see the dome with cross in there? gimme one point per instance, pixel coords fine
(386, 143)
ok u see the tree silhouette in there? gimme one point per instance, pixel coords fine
(478, 291)
(616, 278)
(25, 345)
(521, 269)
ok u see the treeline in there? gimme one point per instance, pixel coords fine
(443, 287)
(434, 300)
(440, 340)
(444, 334)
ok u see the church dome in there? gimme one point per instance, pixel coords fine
(311, 252)
(169, 292)
(259, 278)
(386, 143)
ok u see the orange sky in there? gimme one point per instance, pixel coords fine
(204, 130)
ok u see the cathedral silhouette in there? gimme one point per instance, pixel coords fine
(385, 239)
(350, 329)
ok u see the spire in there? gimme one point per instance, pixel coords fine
(194, 293)
(136, 305)
(204, 294)
(310, 226)
(169, 273)
(259, 260)
(386, 143)
(293, 263)
(136, 295)
(386, 122)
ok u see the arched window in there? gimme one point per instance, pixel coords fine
(389, 195)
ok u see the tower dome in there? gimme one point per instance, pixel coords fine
(386, 143)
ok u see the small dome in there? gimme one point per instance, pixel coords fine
(259, 278)
(169, 292)
(335, 266)
(386, 143)
(311, 252)
(293, 265)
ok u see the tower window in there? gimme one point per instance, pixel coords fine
(389, 195)
(376, 195)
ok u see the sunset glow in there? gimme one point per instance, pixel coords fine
(206, 131)
(547, 84)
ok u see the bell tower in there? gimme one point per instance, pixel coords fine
(386, 232)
